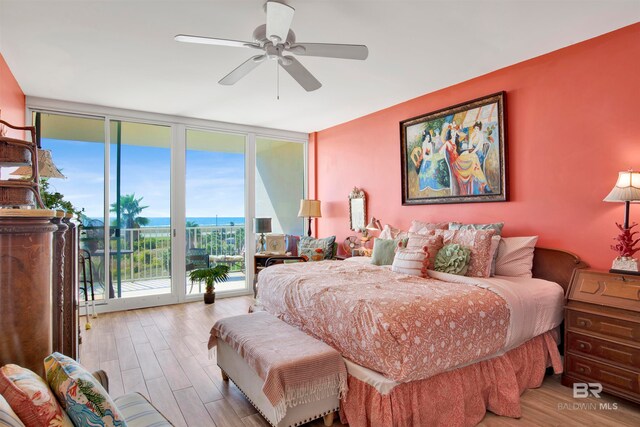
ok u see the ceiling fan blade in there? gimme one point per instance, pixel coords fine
(329, 50)
(210, 40)
(279, 17)
(242, 70)
(300, 74)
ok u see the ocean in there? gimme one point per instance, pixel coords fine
(202, 221)
(218, 221)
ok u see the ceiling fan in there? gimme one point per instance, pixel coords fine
(276, 39)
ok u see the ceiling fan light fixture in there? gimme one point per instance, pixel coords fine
(285, 61)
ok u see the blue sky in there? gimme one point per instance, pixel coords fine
(215, 181)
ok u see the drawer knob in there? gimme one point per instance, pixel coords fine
(581, 345)
(581, 369)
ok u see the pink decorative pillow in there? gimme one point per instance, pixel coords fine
(430, 244)
(515, 256)
(421, 226)
(410, 261)
(31, 399)
(479, 242)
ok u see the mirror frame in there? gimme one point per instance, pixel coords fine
(357, 193)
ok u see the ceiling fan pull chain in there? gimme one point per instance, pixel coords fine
(278, 80)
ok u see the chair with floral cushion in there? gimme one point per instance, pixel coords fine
(70, 396)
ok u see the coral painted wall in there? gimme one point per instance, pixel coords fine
(573, 119)
(12, 100)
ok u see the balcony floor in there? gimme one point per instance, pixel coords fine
(147, 287)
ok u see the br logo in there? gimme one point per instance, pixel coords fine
(582, 390)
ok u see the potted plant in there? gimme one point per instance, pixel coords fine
(210, 276)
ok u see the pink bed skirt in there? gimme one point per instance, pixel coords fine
(456, 398)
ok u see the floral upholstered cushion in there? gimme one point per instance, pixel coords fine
(7, 416)
(30, 398)
(325, 244)
(312, 254)
(84, 399)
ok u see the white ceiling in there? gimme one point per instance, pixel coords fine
(122, 53)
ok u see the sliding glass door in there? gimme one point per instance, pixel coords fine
(140, 209)
(215, 207)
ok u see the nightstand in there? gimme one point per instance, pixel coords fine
(259, 264)
(602, 332)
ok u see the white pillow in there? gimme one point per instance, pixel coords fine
(389, 232)
(495, 243)
(410, 261)
(515, 256)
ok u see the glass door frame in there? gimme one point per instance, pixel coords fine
(179, 126)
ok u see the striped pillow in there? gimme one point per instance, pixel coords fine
(7, 416)
(430, 244)
(515, 256)
(410, 261)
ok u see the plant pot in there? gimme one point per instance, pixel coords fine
(210, 298)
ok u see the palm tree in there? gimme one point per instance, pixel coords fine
(130, 211)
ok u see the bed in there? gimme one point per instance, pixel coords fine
(436, 351)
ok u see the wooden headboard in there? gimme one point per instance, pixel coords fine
(556, 265)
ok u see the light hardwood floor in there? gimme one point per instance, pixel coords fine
(161, 352)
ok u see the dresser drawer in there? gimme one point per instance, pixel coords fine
(607, 326)
(611, 290)
(592, 371)
(606, 350)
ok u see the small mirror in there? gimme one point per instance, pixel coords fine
(357, 209)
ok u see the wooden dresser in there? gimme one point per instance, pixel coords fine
(602, 332)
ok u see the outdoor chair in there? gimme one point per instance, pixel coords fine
(197, 258)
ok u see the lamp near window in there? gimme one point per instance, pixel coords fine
(309, 209)
(46, 167)
(627, 190)
(261, 226)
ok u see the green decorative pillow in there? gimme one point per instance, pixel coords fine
(325, 244)
(80, 394)
(453, 259)
(384, 250)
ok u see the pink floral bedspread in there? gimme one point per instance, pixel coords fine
(407, 328)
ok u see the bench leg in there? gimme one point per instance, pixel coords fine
(225, 377)
(328, 419)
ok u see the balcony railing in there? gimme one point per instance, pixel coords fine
(145, 253)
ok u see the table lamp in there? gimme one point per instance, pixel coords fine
(627, 190)
(309, 209)
(261, 226)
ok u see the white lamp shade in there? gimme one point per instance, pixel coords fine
(309, 209)
(627, 188)
(46, 167)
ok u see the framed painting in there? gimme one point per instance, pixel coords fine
(455, 155)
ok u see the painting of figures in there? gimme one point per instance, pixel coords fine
(455, 155)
